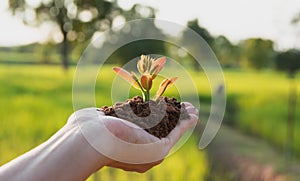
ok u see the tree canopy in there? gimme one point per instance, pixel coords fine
(76, 20)
(289, 61)
(227, 53)
(257, 53)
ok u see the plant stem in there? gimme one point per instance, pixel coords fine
(147, 95)
(144, 96)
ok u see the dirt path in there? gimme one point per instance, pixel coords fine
(241, 157)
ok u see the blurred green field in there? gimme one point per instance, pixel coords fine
(36, 101)
(262, 99)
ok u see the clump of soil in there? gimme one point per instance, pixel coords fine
(156, 117)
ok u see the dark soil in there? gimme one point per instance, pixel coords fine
(156, 117)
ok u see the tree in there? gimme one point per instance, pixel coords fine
(136, 48)
(258, 53)
(288, 61)
(296, 19)
(194, 25)
(227, 53)
(77, 20)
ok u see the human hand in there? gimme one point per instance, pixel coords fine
(91, 140)
(126, 145)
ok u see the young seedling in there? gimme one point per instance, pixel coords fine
(154, 120)
(149, 69)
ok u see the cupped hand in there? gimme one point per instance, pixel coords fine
(133, 134)
(126, 145)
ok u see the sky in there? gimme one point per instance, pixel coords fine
(236, 19)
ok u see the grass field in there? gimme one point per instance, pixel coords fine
(36, 101)
(262, 99)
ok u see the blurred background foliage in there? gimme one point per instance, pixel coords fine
(263, 83)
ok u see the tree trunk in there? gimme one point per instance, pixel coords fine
(291, 120)
(65, 52)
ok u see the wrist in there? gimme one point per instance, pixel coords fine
(82, 154)
(90, 156)
(65, 156)
(68, 151)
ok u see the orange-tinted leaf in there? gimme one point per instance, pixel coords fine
(153, 70)
(162, 88)
(158, 64)
(146, 81)
(172, 80)
(127, 76)
(164, 85)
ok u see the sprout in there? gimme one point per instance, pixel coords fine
(149, 69)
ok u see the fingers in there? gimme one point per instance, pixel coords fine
(172, 138)
(193, 113)
(128, 131)
(188, 123)
(140, 168)
(100, 111)
(183, 125)
(190, 108)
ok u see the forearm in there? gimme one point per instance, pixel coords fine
(65, 156)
